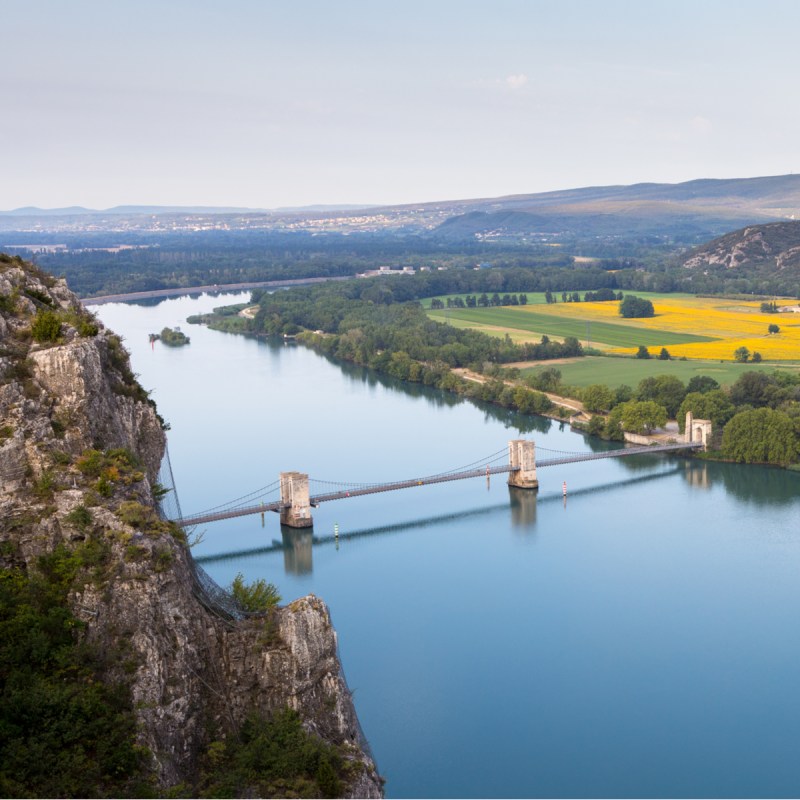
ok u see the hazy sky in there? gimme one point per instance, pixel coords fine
(286, 102)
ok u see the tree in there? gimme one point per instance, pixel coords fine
(643, 352)
(597, 397)
(756, 357)
(664, 354)
(761, 436)
(701, 383)
(773, 328)
(631, 306)
(753, 389)
(622, 394)
(642, 416)
(597, 425)
(547, 380)
(666, 390)
(741, 354)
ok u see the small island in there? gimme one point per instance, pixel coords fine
(173, 337)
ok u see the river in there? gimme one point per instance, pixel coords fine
(637, 639)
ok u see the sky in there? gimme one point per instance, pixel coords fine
(276, 103)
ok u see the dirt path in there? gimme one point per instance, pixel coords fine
(565, 402)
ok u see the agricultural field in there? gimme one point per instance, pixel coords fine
(615, 372)
(688, 326)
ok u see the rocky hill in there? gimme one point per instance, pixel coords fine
(122, 671)
(764, 248)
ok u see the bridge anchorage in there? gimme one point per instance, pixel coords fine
(296, 500)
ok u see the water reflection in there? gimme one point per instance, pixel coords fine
(436, 397)
(153, 302)
(297, 545)
(765, 487)
(696, 474)
(524, 423)
(523, 507)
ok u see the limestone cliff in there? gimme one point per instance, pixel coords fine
(774, 247)
(80, 450)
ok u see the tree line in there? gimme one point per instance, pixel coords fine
(755, 420)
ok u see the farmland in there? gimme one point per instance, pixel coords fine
(690, 327)
(615, 372)
(541, 320)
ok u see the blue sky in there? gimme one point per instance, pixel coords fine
(268, 104)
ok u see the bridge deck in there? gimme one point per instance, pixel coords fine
(277, 505)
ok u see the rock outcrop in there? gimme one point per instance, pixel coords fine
(774, 247)
(80, 451)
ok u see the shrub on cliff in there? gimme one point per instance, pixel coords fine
(273, 757)
(256, 596)
(46, 326)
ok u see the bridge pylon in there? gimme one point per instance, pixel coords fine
(295, 501)
(522, 460)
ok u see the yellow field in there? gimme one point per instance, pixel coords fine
(734, 324)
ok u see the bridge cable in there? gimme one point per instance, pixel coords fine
(272, 487)
(486, 460)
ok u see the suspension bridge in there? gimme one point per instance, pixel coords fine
(294, 501)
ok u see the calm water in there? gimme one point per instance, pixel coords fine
(639, 640)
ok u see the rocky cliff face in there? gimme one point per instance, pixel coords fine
(80, 450)
(772, 247)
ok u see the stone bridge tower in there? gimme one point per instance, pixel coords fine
(697, 430)
(522, 459)
(296, 511)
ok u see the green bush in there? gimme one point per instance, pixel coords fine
(256, 596)
(46, 326)
(80, 517)
(273, 757)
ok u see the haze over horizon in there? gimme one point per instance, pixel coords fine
(307, 103)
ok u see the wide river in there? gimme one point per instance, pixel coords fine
(639, 639)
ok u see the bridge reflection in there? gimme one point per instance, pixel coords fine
(297, 543)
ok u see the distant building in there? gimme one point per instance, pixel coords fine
(374, 273)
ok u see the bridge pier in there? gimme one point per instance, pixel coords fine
(522, 460)
(296, 510)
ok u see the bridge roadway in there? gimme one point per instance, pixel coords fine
(315, 500)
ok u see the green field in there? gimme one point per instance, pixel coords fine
(608, 333)
(614, 372)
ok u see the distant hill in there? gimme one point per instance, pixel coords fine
(766, 248)
(680, 213)
(693, 209)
